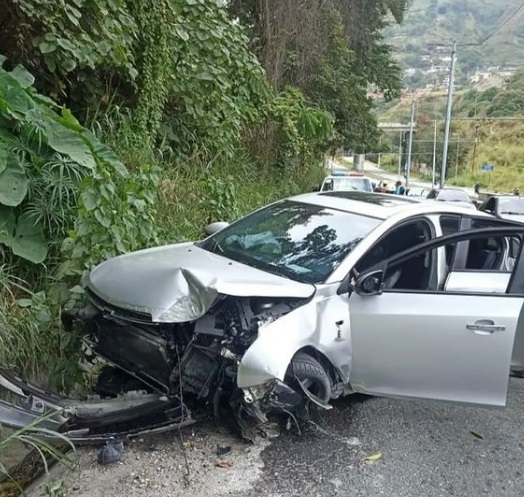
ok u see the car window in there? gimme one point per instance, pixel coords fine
(398, 239)
(301, 241)
(490, 205)
(485, 256)
(452, 196)
(491, 253)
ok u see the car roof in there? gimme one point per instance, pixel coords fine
(505, 195)
(380, 205)
(355, 176)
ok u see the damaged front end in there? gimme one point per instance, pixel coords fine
(174, 339)
(90, 421)
(190, 363)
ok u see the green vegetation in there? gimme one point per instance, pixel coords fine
(35, 437)
(186, 112)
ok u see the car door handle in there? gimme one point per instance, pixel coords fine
(485, 326)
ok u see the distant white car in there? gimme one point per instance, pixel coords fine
(347, 182)
(417, 192)
(454, 195)
(509, 207)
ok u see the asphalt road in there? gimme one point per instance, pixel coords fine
(427, 450)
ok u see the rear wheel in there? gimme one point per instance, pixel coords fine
(311, 374)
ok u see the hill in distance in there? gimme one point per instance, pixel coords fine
(430, 27)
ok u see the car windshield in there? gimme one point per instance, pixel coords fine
(347, 183)
(300, 241)
(514, 206)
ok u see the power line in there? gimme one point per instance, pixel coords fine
(486, 38)
(497, 28)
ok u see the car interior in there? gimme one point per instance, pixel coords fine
(419, 272)
(414, 274)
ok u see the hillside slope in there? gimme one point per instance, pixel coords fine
(431, 22)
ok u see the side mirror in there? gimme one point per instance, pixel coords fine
(370, 283)
(213, 228)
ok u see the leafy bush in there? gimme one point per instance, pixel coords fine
(56, 177)
(43, 158)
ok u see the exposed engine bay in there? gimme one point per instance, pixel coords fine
(166, 340)
(186, 364)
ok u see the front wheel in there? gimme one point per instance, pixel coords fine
(311, 374)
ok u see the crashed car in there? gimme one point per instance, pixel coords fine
(307, 299)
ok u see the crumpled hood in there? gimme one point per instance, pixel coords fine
(180, 283)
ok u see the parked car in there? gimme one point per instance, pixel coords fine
(454, 195)
(347, 182)
(307, 299)
(415, 191)
(509, 207)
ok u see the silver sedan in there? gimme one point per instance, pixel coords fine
(310, 298)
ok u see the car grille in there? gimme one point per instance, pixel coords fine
(118, 312)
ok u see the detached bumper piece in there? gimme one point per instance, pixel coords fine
(90, 421)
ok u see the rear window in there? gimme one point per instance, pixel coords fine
(347, 183)
(452, 196)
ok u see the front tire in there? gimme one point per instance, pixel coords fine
(311, 374)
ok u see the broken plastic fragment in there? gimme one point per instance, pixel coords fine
(374, 457)
(111, 452)
(223, 450)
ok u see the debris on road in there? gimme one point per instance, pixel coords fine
(477, 435)
(111, 452)
(223, 450)
(374, 457)
(162, 472)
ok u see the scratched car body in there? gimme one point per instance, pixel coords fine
(314, 297)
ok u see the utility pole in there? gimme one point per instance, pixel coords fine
(475, 148)
(448, 116)
(457, 158)
(410, 144)
(434, 154)
(379, 149)
(399, 154)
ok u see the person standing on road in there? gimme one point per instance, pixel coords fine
(399, 188)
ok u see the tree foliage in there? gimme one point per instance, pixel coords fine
(332, 51)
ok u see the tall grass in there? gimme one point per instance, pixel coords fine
(37, 440)
(190, 198)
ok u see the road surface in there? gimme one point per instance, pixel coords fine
(426, 450)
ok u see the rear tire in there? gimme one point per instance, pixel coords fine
(309, 371)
